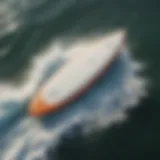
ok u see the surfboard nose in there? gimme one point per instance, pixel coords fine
(38, 106)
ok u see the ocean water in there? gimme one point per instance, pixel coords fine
(24, 137)
(33, 40)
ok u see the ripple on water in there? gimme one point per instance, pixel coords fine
(29, 138)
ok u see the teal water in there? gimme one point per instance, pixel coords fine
(26, 30)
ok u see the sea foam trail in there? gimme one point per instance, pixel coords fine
(17, 15)
(9, 18)
(28, 138)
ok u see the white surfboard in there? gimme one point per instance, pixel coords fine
(82, 69)
(87, 64)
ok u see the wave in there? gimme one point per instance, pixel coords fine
(27, 138)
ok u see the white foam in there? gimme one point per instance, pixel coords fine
(9, 20)
(33, 134)
(33, 76)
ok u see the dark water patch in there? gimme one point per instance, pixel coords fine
(137, 136)
(79, 19)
